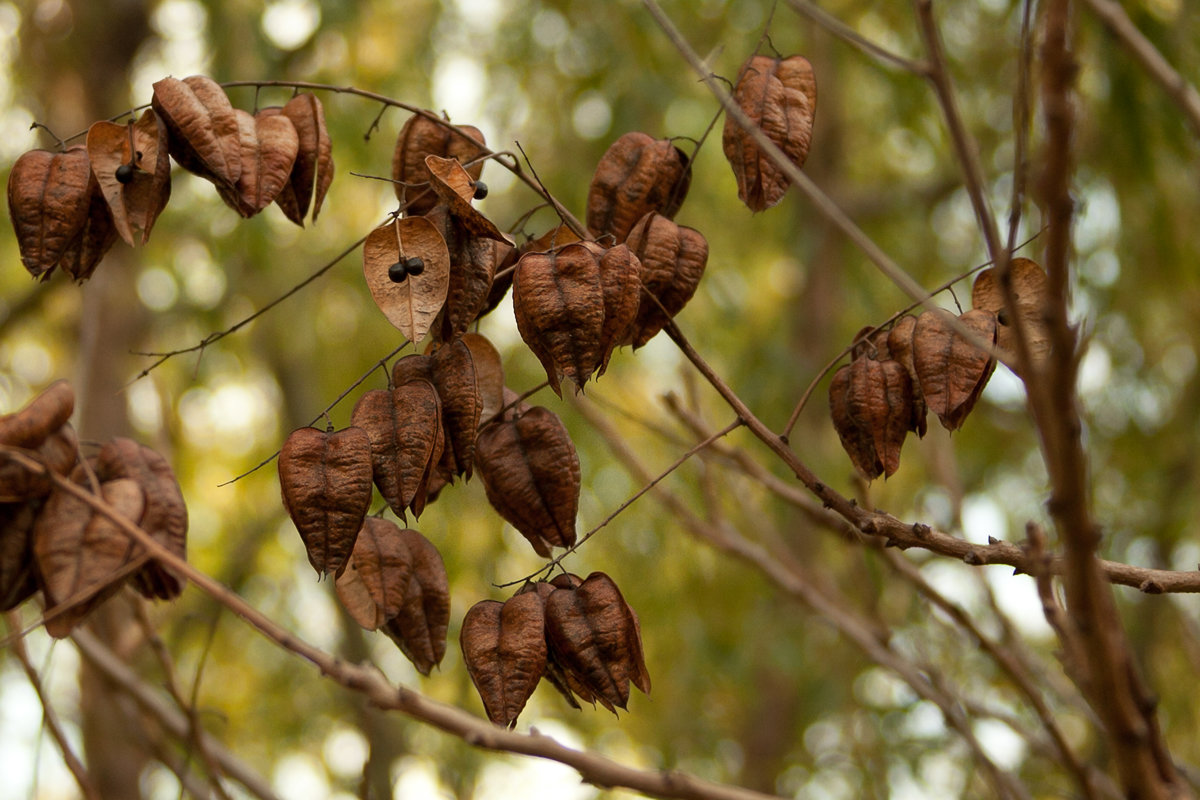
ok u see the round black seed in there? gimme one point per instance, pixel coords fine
(125, 173)
(481, 190)
(414, 265)
(397, 272)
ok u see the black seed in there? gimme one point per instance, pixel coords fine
(125, 173)
(481, 190)
(397, 272)
(1002, 317)
(414, 265)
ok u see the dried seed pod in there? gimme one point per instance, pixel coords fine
(453, 367)
(553, 239)
(326, 482)
(531, 476)
(312, 173)
(80, 554)
(98, 236)
(372, 586)
(419, 628)
(474, 262)
(164, 516)
(58, 451)
(49, 200)
(204, 133)
(405, 436)
(43, 415)
(421, 137)
(1032, 300)
(558, 676)
(621, 283)
(18, 576)
(489, 375)
(899, 343)
(779, 95)
(636, 175)
(269, 145)
(673, 258)
(132, 168)
(504, 650)
(596, 636)
(411, 305)
(951, 370)
(871, 405)
(455, 187)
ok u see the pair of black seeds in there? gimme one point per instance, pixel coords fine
(405, 267)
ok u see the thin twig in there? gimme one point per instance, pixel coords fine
(852, 37)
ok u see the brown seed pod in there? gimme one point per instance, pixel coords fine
(269, 145)
(673, 258)
(204, 133)
(97, 238)
(44, 414)
(372, 586)
(134, 181)
(164, 516)
(474, 262)
(504, 650)
(779, 95)
(489, 375)
(453, 367)
(413, 302)
(404, 430)
(80, 554)
(596, 637)
(49, 201)
(562, 679)
(871, 405)
(326, 482)
(421, 137)
(636, 175)
(455, 187)
(1032, 299)
(18, 575)
(621, 283)
(899, 343)
(58, 451)
(951, 370)
(312, 172)
(530, 473)
(419, 629)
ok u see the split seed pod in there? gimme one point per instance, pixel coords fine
(421, 137)
(530, 473)
(673, 258)
(204, 133)
(636, 175)
(49, 202)
(312, 173)
(412, 303)
(135, 181)
(326, 483)
(504, 649)
(1032, 300)
(780, 97)
(453, 184)
(953, 371)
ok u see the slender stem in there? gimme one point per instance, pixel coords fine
(852, 37)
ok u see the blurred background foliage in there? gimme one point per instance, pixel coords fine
(749, 686)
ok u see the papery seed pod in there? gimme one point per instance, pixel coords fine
(474, 262)
(489, 375)
(98, 236)
(455, 188)
(411, 305)
(899, 343)
(204, 133)
(562, 679)
(504, 650)
(951, 370)
(780, 97)
(856, 438)
(621, 284)
(43, 415)
(326, 483)
(164, 514)
(458, 390)
(419, 629)
(1032, 305)
(133, 171)
(269, 145)
(49, 202)
(421, 137)
(597, 637)
(636, 175)
(530, 473)
(58, 451)
(312, 173)
(872, 343)
(81, 554)
(673, 258)
(372, 586)
(18, 574)
(404, 431)
(880, 402)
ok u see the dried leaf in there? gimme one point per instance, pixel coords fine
(134, 181)
(1032, 300)
(413, 302)
(636, 175)
(780, 96)
(951, 370)
(204, 133)
(405, 434)
(504, 649)
(49, 199)
(326, 482)
(269, 144)
(673, 258)
(455, 187)
(531, 476)
(419, 629)
(372, 586)
(421, 137)
(18, 576)
(79, 552)
(313, 168)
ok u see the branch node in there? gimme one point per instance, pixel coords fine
(921, 530)
(1150, 586)
(972, 558)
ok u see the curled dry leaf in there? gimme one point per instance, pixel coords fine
(412, 303)
(80, 554)
(456, 188)
(49, 201)
(372, 586)
(636, 175)
(673, 258)
(419, 629)
(504, 649)
(18, 576)
(326, 483)
(1032, 303)
(596, 637)
(203, 131)
(871, 404)
(134, 180)
(951, 370)
(269, 144)
(312, 173)
(779, 95)
(530, 473)
(421, 137)
(404, 432)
